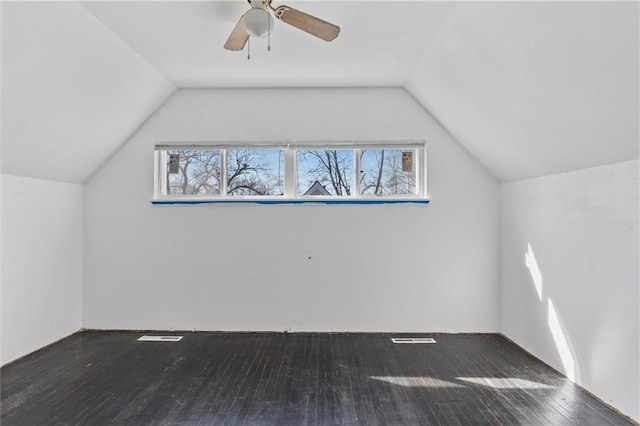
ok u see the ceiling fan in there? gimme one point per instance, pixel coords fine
(258, 21)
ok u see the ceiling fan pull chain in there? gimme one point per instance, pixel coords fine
(248, 48)
(268, 32)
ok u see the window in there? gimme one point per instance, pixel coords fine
(324, 172)
(252, 172)
(192, 172)
(386, 172)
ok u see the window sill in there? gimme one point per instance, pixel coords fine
(272, 200)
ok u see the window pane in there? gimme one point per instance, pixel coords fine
(324, 172)
(388, 171)
(193, 172)
(255, 172)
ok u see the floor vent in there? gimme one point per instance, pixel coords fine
(413, 340)
(160, 339)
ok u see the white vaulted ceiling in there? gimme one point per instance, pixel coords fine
(528, 88)
(72, 91)
(379, 45)
(536, 88)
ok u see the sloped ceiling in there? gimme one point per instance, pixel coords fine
(529, 89)
(72, 91)
(536, 88)
(379, 43)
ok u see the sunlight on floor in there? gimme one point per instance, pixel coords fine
(499, 383)
(505, 383)
(534, 269)
(417, 382)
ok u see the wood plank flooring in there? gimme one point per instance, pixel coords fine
(95, 378)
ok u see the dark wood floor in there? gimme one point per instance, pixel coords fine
(290, 379)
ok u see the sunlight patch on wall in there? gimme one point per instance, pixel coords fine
(562, 344)
(505, 383)
(417, 382)
(534, 270)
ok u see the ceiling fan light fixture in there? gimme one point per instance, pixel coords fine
(258, 22)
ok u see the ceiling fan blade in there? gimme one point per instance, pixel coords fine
(238, 37)
(308, 23)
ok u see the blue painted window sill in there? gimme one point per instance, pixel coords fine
(294, 201)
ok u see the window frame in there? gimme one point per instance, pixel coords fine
(290, 174)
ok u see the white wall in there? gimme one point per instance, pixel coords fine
(1, 259)
(247, 267)
(42, 263)
(569, 276)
